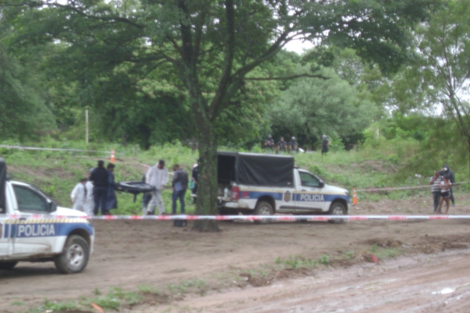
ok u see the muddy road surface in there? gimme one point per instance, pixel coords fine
(246, 268)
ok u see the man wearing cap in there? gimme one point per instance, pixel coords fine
(447, 171)
(324, 145)
(100, 178)
(293, 145)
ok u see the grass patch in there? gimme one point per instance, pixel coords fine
(115, 299)
(195, 285)
(53, 306)
(384, 252)
(296, 262)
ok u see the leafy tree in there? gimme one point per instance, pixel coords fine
(312, 107)
(438, 80)
(23, 110)
(212, 47)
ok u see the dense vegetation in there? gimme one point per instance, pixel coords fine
(214, 73)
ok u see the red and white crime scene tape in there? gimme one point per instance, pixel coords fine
(276, 218)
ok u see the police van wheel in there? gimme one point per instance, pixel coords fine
(74, 257)
(8, 265)
(263, 208)
(337, 208)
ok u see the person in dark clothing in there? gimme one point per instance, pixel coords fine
(324, 145)
(293, 145)
(194, 176)
(269, 143)
(180, 184)
(446, 171)
(100, 178)
(435, 181)
(282, 146)
(111, 200)
(146, 197)
(194, 179)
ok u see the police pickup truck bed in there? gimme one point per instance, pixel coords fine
(265, 184)
(23, 237)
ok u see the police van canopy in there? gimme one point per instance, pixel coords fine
(255, 169)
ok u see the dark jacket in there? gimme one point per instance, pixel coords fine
(111, 201)
(100, 177)
(195, 173)
(181, 177)
(450, 174)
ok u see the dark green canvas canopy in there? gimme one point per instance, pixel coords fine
(255, 169)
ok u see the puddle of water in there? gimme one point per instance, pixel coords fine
(444, 291)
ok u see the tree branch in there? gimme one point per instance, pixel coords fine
(287, 77)
(225, 79)
(80, 12)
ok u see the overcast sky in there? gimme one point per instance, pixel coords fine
(298, 46)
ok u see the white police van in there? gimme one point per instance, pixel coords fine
(265, 184)
(61, 235)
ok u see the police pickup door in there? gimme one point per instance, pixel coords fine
(263, 184)
(25, 237)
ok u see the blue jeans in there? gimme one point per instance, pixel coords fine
(436, 196)
(178, 195)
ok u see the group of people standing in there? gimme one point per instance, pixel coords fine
(158, 177)
(292, 146)
(282, 146)
(442, 189)
(97, 193)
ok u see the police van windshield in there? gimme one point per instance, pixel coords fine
(309, 180)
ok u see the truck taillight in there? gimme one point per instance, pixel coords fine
(235, 193)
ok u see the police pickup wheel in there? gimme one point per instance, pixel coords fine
(263, 208)
(74, 257)
(8, 265)
(337, 208)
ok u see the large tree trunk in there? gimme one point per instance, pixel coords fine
(207, 192)
(468, 149)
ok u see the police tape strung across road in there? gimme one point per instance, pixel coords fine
(51, 149)
(277, 218)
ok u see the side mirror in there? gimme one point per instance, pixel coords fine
(52, 206)
(321, 185)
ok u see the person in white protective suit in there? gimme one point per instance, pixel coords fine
(157, 176)
(79, 195)
(89, 201)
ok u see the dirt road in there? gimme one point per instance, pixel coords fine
(439, 283)
(225, 266)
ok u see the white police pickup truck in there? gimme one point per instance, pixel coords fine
(62, 235)
(265, 184)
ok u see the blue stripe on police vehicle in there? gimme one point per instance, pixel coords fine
(31, 230)
(317, 197)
